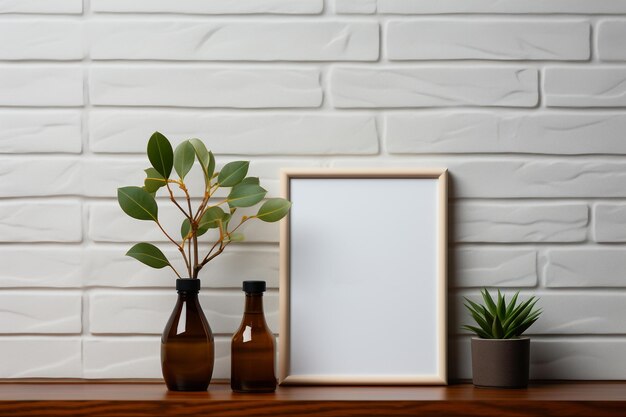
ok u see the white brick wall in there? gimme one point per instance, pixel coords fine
(523, 101)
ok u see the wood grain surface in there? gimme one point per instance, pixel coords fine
(140, 399)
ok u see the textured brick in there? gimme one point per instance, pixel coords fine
(501, 6)
(55, 267)
(146, 312)
(26, 85)
(234, 41)
(484, 177)
(48, 357)
(41, 39)
(175, 85)
(585, 87)
(40, 312)
(41, 6)
(611, 40)
(520, 222)
(480, 267)
(24, 222)
(22, 177)
(433, 87)
(35, 131)
(251, 82)
(483, 39)
(609, 222)
(589, 358)
(273, 134)
(486, 132)
(355, 6)
(210, 7)
(585, 267)
(104, 266)
(139, 357)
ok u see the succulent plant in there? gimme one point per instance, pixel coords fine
(499, 320)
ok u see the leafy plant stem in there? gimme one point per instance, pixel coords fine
(196, 268)
(188, 198)
(217, 242)
(175, 271)
(188, 215)
(223, 245)
(140, 203)
(189, 254)
(180, 247)
(200, 211)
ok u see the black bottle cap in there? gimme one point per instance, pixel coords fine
(254, 287)
(188, 284)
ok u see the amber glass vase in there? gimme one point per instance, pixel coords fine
(253, 346)
(187, 347)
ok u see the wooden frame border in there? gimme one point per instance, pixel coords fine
(440, 174)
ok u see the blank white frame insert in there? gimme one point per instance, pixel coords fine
(363, 277)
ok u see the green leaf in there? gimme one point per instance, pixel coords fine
(210, 169)
(211, 219)
(511, 306)
(153, 181)
(489, 302)
(488, 316)
(501, 307)
(206, 158)
(515, 314)
(233, 173)
(184, 155)
(251, 180)
(185, 228)
(160, 154)
(481, 322)
(523, 314)
(226, 220)
(148, 254)
(517, 331)
(274, 209)
(237, 237)
(496, 329)
(478, 331)
(474, 305)
(246, 195)
(137, 203)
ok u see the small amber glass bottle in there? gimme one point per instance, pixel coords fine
(187, 347)
(252, 349)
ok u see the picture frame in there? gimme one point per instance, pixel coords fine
(363, 277)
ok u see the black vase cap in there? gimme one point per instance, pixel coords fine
(254, 287)
(188, 284)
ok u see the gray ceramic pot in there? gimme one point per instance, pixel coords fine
(500, 363)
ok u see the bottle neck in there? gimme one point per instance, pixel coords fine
(254, 303)
(187, 296)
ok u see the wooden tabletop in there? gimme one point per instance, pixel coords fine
(141, 399)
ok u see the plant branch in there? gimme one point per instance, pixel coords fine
(167, 235)
(223, 245)
(196, 268)
(188, 198)
(175, 271)
(189, 254)
(219, 241)
(207, 196)
(188, 215)
(181, 247)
